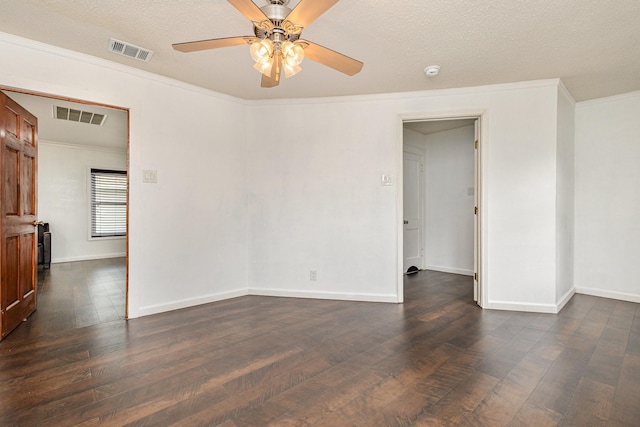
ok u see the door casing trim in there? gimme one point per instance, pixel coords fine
(481, 116)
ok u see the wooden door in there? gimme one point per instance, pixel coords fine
(412, 207)
(18, 237)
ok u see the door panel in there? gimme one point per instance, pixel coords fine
(10, 276)
(412, 206)
(18, 169)
(11, 187)
(27, 167)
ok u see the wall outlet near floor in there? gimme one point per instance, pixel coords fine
(313, 275)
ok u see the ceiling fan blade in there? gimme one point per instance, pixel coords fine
(332, 59)
(249, 9)
(308, 10)
(274, 79)
(212, 43)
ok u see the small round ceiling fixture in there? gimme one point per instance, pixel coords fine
(432, 70)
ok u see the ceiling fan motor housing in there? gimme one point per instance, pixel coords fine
(276, 11)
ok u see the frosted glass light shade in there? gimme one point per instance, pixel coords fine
(261, 50)
(292, 53)
(264, 66)
(290, 70)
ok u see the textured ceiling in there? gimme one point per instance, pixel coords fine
(593, 46)
(112, 134)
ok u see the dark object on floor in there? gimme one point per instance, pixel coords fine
(412, 270)
(44, 245)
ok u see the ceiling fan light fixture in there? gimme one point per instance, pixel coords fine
(264, 66)
(290, 70)
(261, 50)
(292, 53)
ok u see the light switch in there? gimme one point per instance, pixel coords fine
(386, 180)
(149, 176)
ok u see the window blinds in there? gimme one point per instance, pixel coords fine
(108, 203)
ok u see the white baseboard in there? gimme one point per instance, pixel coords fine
(533, 308)
(190, 302)
(323, 295)
(565, 299)
(516, 306)
(86, 258)
(453, 270)
(549, 308)
(622, 296)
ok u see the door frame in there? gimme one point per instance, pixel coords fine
(481, 192)
(97, 104)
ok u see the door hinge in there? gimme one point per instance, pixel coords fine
(475, 276)
(475, 210)
(421, 168)
(476, 143)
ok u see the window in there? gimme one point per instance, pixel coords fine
(108, 203)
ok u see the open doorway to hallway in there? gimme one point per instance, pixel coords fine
(78, 142)
(440, 198)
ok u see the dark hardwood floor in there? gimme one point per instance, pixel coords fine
(77, 294)
(260, 361)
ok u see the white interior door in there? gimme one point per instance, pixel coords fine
(412, 203)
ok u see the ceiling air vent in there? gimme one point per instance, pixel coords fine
(132, 51)
(73, 115)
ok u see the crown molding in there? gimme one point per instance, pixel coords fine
(83, 147)
(114, 66)
(608, 99)
(396, 96)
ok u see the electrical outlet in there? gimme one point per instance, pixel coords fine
(150, 176)
(313, 275)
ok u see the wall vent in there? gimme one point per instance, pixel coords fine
(132, 51)
(73, 115)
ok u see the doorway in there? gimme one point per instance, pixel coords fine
(440, 198)
(76, 137)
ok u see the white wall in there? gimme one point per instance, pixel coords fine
(63, 199)
(413, 139)
(315, 197)
(607, 229)
(187, 233)
(449, 171)
(565, 195)
(315, 201)
(243, 206)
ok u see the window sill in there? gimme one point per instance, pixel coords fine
(97, 239)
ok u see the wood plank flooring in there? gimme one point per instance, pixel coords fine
(437, 360)
(77, 294)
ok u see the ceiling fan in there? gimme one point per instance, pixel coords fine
(276, 45)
